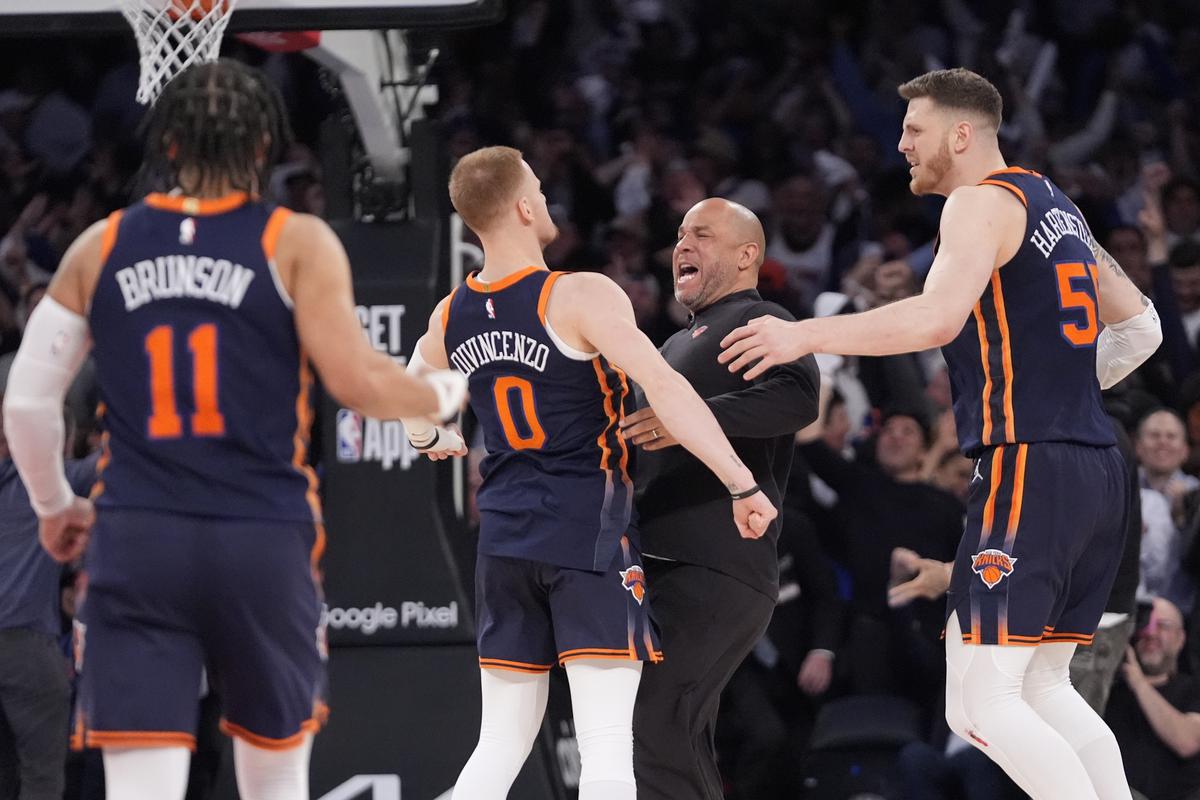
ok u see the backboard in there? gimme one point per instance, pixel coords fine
(64, 17)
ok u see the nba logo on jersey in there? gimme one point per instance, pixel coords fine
(187, 231)
(992, 566)
(634, 579)
(349, 436)
(491, 308)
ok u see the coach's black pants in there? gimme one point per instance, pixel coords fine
(709, 624)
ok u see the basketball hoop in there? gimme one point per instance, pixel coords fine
(172, 35)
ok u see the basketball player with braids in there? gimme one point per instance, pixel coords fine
(1016, 298)
(202, 307)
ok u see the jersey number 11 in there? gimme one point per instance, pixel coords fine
(165, 422)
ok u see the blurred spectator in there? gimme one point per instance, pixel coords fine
(885, 506)
(1181, 209)
(801, 236)
(1155, 711)
(34, 690)
(1185, 282)
(1161, 447)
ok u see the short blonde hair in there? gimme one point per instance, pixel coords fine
(483, 184)
(959, 89)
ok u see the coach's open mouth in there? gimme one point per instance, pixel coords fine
(687, 271)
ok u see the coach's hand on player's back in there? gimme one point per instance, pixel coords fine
(770, 341)
(65, 535)
(753, 515)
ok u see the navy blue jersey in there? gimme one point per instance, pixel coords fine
(202, 380)
(1023, 368)
(556, 484)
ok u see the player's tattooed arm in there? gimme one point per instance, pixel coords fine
(734, 486)
(1120, 299)
(1104, 259)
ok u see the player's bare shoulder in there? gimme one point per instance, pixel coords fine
(585, 293)
(984, 216)
(75, 280)
(985, 199)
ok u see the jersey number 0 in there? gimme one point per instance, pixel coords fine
(503, 389)
(165, 422)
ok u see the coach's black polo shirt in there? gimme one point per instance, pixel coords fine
(684, 510)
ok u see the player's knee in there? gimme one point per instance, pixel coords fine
(606, 753)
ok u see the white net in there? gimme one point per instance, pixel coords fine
(172, 35)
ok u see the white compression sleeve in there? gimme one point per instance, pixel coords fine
(603, 695)
(147, 773)
(423, 434)
(985, 706)
(1123, 346)
(52, 349)
(272, 774)
(513, 706)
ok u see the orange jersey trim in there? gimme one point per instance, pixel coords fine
(513, 666)
(105, 455)
(446, 309)
(1010, 426)
(307, 727)
(270, 236)
(1016, 191)
(605, 654)
(503, 283)
(614, 415)
(182, 204)
(299, 456)
(989, 507)
(109, 238)
(544, 297)
(1015, 171)
(140, 739)
(78, 733)
(1018, 499)
(981, 327)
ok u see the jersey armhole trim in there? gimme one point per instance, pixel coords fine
(108, 239)
(1004, 184)
(564, 348)
(270, 240)
(446, 308)
(543, 303)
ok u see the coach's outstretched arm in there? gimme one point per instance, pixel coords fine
(592, 308)
(351, 370)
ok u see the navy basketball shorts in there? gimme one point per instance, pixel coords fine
(531, 614)
(169, 596)
(1044, 537)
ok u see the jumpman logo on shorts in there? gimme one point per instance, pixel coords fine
(978, 476)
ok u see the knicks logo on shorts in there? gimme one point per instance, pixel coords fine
(992, 566)
(634, 579)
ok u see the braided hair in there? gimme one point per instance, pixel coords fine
(217, 123)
